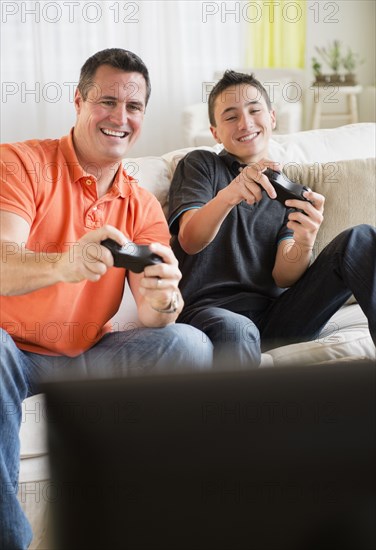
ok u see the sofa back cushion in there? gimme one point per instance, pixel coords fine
(353, 141)
(349, 188)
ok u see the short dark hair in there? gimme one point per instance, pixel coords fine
(119, 59)
(232, 78)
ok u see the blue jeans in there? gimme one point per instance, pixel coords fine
(346, 266)
(133, 352)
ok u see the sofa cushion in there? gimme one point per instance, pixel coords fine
(155, 173)
(152, 173)
(352, 141)
(349, 187)
(345, 335)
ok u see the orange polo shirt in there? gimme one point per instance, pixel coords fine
(43, 182)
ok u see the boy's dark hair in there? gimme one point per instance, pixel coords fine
(119, 59)
(232, 78)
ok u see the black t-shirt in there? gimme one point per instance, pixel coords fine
(235, 270)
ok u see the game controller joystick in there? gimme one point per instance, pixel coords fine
(285, 188)
(134, 257)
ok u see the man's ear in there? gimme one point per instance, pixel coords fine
(273, 118)
(214, 132)
(78, 101)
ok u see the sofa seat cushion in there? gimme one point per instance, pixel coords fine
(345, 335)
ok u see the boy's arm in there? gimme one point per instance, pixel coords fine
(294, 255)
(199, 226)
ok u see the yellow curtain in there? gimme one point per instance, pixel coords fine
(277, 33)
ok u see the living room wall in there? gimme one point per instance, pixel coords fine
(183, 43)
(353, 24)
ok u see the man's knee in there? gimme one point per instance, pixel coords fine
(6, 341)
(8, 351)
(11, 372)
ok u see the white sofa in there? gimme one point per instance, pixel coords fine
(339, 162)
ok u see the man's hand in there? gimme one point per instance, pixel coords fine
(87, 259)
(155, 289)
(158, 283)
(307, 223)
(251, 181)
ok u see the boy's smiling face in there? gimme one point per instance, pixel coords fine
(244, 123)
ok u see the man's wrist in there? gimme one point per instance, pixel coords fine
(173, 305)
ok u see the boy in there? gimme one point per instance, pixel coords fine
(239, 250)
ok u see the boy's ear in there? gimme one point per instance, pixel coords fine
(214, 132)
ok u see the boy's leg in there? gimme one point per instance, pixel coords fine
(346, 266)
(236, 338)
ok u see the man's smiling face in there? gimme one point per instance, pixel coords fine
(109, 120)
(243, 122)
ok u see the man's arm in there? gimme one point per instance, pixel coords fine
(198, 227)
(23, 271)
(156, 291)
(294, 255)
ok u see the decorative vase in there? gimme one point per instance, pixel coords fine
(350, 79)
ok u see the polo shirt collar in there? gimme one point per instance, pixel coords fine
(121, 185)
(231, 162)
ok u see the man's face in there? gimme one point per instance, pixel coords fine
(243, 122)
(109, 121)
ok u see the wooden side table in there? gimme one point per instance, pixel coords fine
(327, 94)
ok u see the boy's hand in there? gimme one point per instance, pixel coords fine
(307, 223)
(251, 181)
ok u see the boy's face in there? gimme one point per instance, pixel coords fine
(243, 123)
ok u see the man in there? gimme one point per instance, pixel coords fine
(239, 249)
(59, 289)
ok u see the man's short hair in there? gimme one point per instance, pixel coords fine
(233, 78)
(119, 59)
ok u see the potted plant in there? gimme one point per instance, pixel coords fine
(349, 62)
(316, 67)
(332, 56)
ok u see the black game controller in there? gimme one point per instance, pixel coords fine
(134, 257)
(285, 188)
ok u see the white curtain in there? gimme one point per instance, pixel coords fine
(45, 43)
